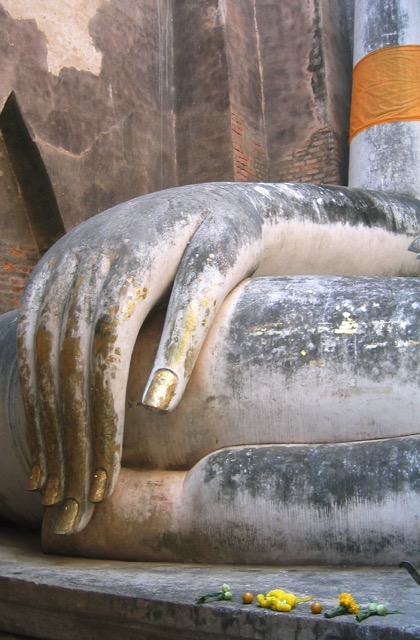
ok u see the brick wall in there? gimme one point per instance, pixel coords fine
(250, 162)
(15, 266)
(318, 161)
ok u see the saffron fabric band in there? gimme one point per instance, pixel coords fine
(386, 87)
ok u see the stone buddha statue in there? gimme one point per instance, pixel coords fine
(221, 373)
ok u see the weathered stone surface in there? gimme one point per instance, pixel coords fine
(305, 360)
(306, 66)
(101, 115)
(246, 85)
(329, 363)
(16, 503)
(60, 599)
(110, 269)
(202, 92)
(346, 504)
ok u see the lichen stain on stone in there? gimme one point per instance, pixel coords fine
(43, 345)
(105, 333)
(66, 28)
(297, 474)
(70, 355)
(105, 419)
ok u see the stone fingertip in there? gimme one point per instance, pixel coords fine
(67, 521)
(35, 481)
(161, 390)
(99, 486)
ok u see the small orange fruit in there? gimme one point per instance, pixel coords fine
(316, 607)
(247, 597)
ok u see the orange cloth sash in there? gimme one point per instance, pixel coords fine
(386, 87)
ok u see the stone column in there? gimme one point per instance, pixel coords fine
(384, 131)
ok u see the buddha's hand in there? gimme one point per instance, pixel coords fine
(80, 316)
(90, 294)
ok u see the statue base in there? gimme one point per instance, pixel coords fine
(61, 598)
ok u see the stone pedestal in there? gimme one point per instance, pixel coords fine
(57, 598)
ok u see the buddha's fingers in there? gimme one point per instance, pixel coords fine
(31, 339)
(47, 342)
(54, 355)
(74, 391)
(144, 273)
(133, 288)
(80, 317)
(223, 251)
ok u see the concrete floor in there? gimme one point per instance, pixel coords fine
(59, 598)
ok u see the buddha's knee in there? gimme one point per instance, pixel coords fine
(353, 503)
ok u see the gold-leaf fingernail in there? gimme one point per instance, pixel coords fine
(97, 491)
(52, 494)
(161, 390)
(35, 480)
(67, 521)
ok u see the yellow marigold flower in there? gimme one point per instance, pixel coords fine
(279, 600)
(276, 593)
(281, 605)
(291, 599)
(262, 601)
(347, 600)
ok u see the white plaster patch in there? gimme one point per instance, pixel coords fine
(66, 28)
